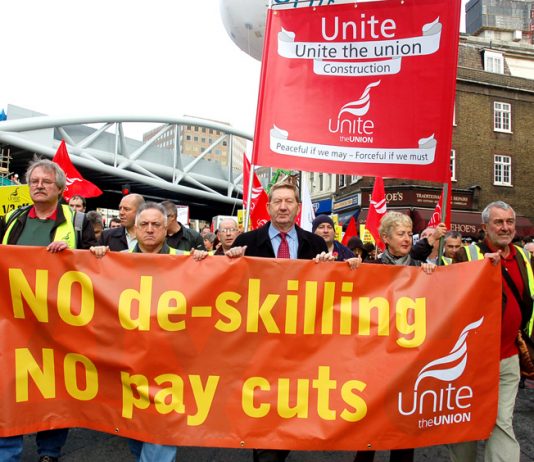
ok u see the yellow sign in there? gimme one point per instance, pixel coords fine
(365, 235)
(13, 197)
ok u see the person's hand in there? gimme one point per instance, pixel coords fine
(236, 252)
(494, 257)
(354, 263)
(324, 256)
(199, 255)
(428, 268)
(57, 246)
(99, 250)
(439, 232)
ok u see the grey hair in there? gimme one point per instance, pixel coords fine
(391, 220)
(497, 205)
(453, 234)
(47, 166)
(151, 205)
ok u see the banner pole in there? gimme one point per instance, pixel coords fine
(444, 202)
(249, 196)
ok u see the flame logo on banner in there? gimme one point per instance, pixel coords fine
(380, 206)
(361, 106)
(70, 181)
(451, 366)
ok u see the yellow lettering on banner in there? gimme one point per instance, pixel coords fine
(43, 377)
(345, 321)
(292, 404)
(64, 293)
(143, 297)
(367, 305)
(356, 402)
(136, 394)
(255, 312)
(171, 398)
(91, 377)
(327, 322)
(166, 310)
(247, 397)
(292, 307)
(300, 409)
(310, 307)
(414, 311)
(203, 398)
(228, 311)
(20, 289)
(323, 384)
(129, 400)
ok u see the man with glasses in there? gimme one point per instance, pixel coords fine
(178, 236)
(57, 227)
(226, 234)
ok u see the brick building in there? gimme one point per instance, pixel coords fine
(491, 157)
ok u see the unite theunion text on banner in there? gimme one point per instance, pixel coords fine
(221, 353)
(363, 87)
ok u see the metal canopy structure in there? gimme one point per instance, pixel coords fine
(107, 157)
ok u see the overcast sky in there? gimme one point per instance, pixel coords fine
(163, 57)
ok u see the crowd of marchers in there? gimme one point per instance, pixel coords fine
(149, 227)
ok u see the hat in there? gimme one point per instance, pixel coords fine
(320, 219)
(355, 243)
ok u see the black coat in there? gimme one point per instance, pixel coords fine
(259, 244)
(115, 238)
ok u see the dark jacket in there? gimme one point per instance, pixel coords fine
(186, 239)
(115, 238)
(259, 244)
(87, 236)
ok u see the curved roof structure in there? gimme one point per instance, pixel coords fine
(101, 151)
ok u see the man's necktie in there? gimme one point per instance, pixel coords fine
(283, 249)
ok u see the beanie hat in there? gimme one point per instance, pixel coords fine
(320, 219)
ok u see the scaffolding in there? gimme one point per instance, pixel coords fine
(5, 174)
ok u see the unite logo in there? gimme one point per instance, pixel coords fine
(446, 405)
(350, 125)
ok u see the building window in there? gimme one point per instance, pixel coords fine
(493, 62)
(453, 164)
(454, 115)
(354, 179)
(502, 117)
(225, 143)
(188, 137)
(321, 181)
(195, 138)
(502, 170)
(342, 181)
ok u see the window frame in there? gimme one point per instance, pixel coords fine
(452, 165)
(493, 62)
(502, 168)
(502, 116)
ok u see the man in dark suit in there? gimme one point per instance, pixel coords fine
(118, 239)
(281, 238)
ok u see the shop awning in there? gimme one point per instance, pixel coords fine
(468, 223)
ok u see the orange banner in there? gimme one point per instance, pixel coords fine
(249, 352)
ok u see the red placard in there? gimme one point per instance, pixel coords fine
(363, 88)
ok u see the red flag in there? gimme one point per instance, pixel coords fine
(76, 184)
(258, 203)
(352, 230)
(377, 209)
(437, 216)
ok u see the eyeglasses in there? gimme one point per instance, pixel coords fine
(228, 230)
(34, 183)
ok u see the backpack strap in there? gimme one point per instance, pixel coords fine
(77, 221)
